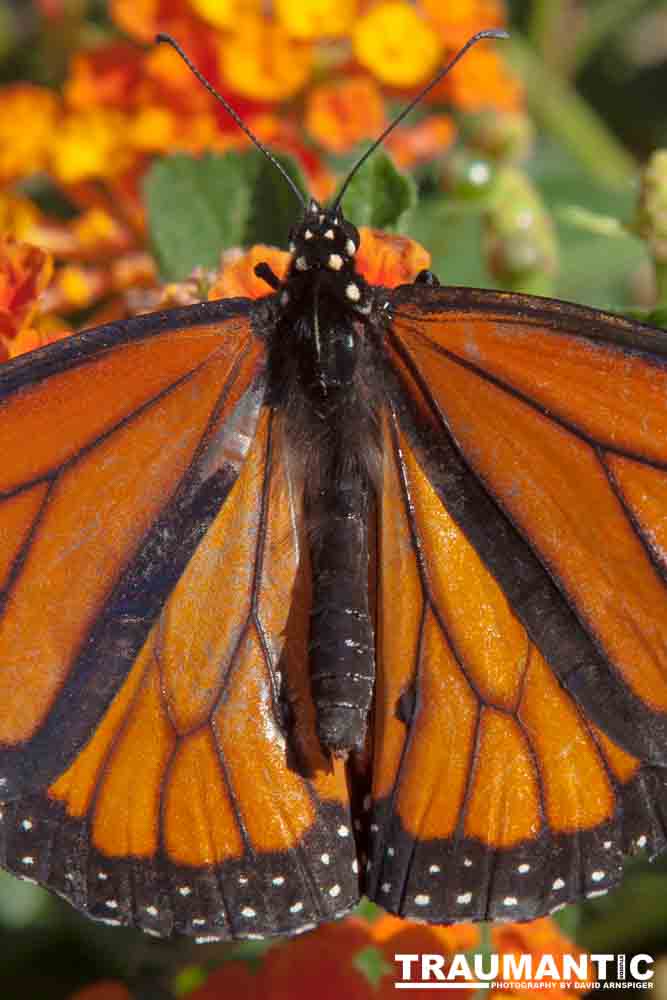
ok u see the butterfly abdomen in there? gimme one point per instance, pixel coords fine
(342, 649)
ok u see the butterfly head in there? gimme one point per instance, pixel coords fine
(324, 241)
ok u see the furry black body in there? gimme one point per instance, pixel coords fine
(325, 375)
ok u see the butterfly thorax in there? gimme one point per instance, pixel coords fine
(325, 303)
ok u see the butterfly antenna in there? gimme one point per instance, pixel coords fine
(489, 33)
(162, 37)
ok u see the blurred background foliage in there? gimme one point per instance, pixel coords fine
(533, 167)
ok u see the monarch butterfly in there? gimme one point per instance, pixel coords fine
(343, 590)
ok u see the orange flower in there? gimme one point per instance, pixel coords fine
(28, 122)
(538, 937)
(396, 44)
(25, 271)
(108, 75)
(457, 20)
(18, 216)
(390, 260)
(142, 19)
(237, 275)
(232, 981)
(312, 19)
(320, 964)
(259, 60)
(394, 936)
(91, 144)
(341, 114)
(420, 143)
(224, 13)
(481, 81)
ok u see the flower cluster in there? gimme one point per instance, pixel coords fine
(313, 79)
(356, 959)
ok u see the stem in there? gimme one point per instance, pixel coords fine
(660, 281)
(568, 117)
(542, 22)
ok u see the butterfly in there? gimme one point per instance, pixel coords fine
(343, 590)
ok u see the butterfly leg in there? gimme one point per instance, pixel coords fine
(265, 272)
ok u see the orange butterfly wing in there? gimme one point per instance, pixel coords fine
(520, 736)
(159, 763)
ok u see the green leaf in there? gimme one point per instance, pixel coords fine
(196, 208)
(273, 206)
(199, 207)
(379, 195)
(372, 964)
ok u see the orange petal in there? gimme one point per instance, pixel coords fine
(233, 979)
(537, 937)
(316, 19)
(238, 278)
(457, 20)
(259, 60)
(390, 260)
(319, 965)
(24, 150)
(422, 142)
(342, 113)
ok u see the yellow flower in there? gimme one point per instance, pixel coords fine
(396, 44)
(260, 61)
(91, 144)
(152, 129)
(28, 117)
(223, 13)
(18, 216)
(313, 19)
